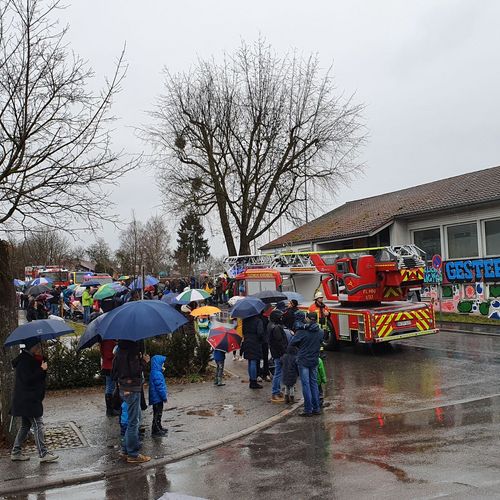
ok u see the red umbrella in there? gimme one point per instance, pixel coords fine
(224, 338)
(44, 296)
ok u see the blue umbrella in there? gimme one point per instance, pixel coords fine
(40, 281)
(90, 283)
(249, 306)
(269, 296)
(137, 283)
(18, 283)
(171, 298)
(40, 329)
(139, 320)
(90, 335)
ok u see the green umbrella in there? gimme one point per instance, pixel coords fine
(104, 291)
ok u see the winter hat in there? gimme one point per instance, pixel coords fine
(300, 316)
(294, 303)
(185, 308)
(29, 343)
(276, 316)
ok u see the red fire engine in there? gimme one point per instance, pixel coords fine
(58, 275)
(365, 289)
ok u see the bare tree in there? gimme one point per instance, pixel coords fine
(144, 244)
(156, 245)
(245, 138)
(55, 154)
(100, 253)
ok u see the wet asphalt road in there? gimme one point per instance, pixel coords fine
(418, 420)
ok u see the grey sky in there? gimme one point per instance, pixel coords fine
(428, 72)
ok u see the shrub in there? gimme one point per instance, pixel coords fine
(71, 368)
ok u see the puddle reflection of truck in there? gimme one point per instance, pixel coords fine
(365, 290)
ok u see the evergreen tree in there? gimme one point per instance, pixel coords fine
(192, 247)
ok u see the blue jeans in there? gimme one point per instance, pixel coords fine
(309, 381)
(86, 314)
(54, 309)
(277, 377)
(109, 385)
(252, 369)
(133, 400)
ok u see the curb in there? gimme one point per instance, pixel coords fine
(90, 477)
(444, 328)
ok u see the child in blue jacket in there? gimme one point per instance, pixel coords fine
(157, 394)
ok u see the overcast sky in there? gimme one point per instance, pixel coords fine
(427, 71)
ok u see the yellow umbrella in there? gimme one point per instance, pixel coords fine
(205, 311)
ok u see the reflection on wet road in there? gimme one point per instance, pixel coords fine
(419, 420)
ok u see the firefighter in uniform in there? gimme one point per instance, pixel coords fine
(321, 310)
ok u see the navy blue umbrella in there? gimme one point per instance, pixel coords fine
(139, 320)
(269, 296)
(40, 329)
(171, 298)
(249, 306)
(90, 283)
(90, 335)
(294, 296)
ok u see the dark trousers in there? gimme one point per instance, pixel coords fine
(157, 414)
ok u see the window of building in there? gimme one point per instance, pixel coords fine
(429, 240)
(462, 241)
(492, 236)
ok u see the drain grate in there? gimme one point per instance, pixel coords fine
(58, 436)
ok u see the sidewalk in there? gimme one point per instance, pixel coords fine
(198, 416)
(469, 328)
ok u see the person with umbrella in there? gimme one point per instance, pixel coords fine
(253, 338)
(277, 345)
(29, 392)
(128, 368)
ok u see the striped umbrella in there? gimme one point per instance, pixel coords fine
(224, 338)
(193, 295)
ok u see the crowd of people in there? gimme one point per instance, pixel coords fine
(293, 338)
(287, 335)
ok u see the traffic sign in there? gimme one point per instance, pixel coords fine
(437, 262)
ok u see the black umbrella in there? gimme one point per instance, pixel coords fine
(40, 329)
(38, 290)
(269, 296)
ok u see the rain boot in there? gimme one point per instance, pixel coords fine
(254, 385)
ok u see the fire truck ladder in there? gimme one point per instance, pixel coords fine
(406, 256)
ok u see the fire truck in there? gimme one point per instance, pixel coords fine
(365, 290)
(58, 275)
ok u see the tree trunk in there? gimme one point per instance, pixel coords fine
(245, 247)
(8, 322)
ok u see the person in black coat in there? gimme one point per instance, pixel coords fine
(253, 336)
(290, 372)
(289, 314)
(277, 345)
(29, 392)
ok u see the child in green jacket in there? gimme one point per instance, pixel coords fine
(321, 379)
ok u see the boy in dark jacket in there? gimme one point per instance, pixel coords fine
(277, 345)
(157, 394)
(29, 391)
(128, 367)
(253, 338)
(308, 340)
(290, 372)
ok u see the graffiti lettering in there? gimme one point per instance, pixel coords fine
(432, 275)
(468, 271)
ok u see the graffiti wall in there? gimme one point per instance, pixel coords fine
(469, 286)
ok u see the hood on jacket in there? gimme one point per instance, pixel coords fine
(312, 327)
(129, 345)
(157, 362)
(276, 316)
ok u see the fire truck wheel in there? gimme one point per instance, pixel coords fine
(330, 341)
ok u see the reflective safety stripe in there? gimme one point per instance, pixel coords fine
(387, 323)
